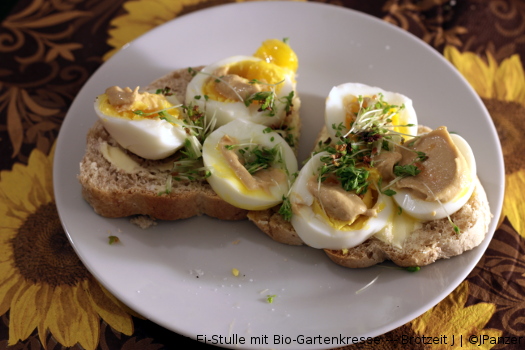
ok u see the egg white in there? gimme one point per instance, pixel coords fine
(148, 138)
(225, 112)
(317, 232)
(427, 210)
(223, 179)
(336, 111)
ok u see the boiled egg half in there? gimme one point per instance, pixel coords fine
(250, 164)
(432, 210)
(259, 88)
(146, 123)
(311, 218)
(355, 107)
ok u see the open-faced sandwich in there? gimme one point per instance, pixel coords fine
(379, 187)
(218, 140)
(221, 140)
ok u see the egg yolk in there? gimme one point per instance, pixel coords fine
(150, 106)
(278, 52)
(396, 120)
(262, 71)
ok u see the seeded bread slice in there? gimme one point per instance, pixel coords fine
(114, 192)
(435, 240)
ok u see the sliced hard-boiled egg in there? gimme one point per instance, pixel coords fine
(145, 123)
(336, 219)
(258, 88)
(427, 210)
(250, 164)
(353, 107)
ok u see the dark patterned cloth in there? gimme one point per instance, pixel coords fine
(48, 50)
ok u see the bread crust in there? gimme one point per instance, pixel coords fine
(114, 193)
(275, 226)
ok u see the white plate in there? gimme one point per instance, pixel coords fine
(178, 274)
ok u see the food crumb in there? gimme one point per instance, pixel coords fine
(113, 239)
(235, 272)
(143, 221)
(197, 273)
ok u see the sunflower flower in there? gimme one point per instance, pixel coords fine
(502, 86)
(142, 16)
(452, 318)
(42, 281)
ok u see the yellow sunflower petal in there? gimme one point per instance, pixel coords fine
(141, 17)
(5, 253)
(61, 315)
(71, 319)
(26, 187)
(153, 12)
(24, 311)
(115, 316)
(15, 187)
(8, 288)
(451, 316)
(476, 315)
(513, 205)
(442, 311)
(10, 222)
(45, 296)
(87, 328)
(479, 74)
(510, 80)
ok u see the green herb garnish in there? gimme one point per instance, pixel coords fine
(113, 239)
(270, 298)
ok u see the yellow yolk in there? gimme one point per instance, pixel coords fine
(250, 70)
(279, 53)
(396, 120)
(144, 108)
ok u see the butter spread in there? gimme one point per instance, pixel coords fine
(119, 158)
(122, 161)
(398, 228)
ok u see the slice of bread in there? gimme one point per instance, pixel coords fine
(115, 192)
(434, 240)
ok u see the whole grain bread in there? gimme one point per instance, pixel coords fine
(434, 240)
(114, 192)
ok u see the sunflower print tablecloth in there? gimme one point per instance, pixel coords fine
(48, 49)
